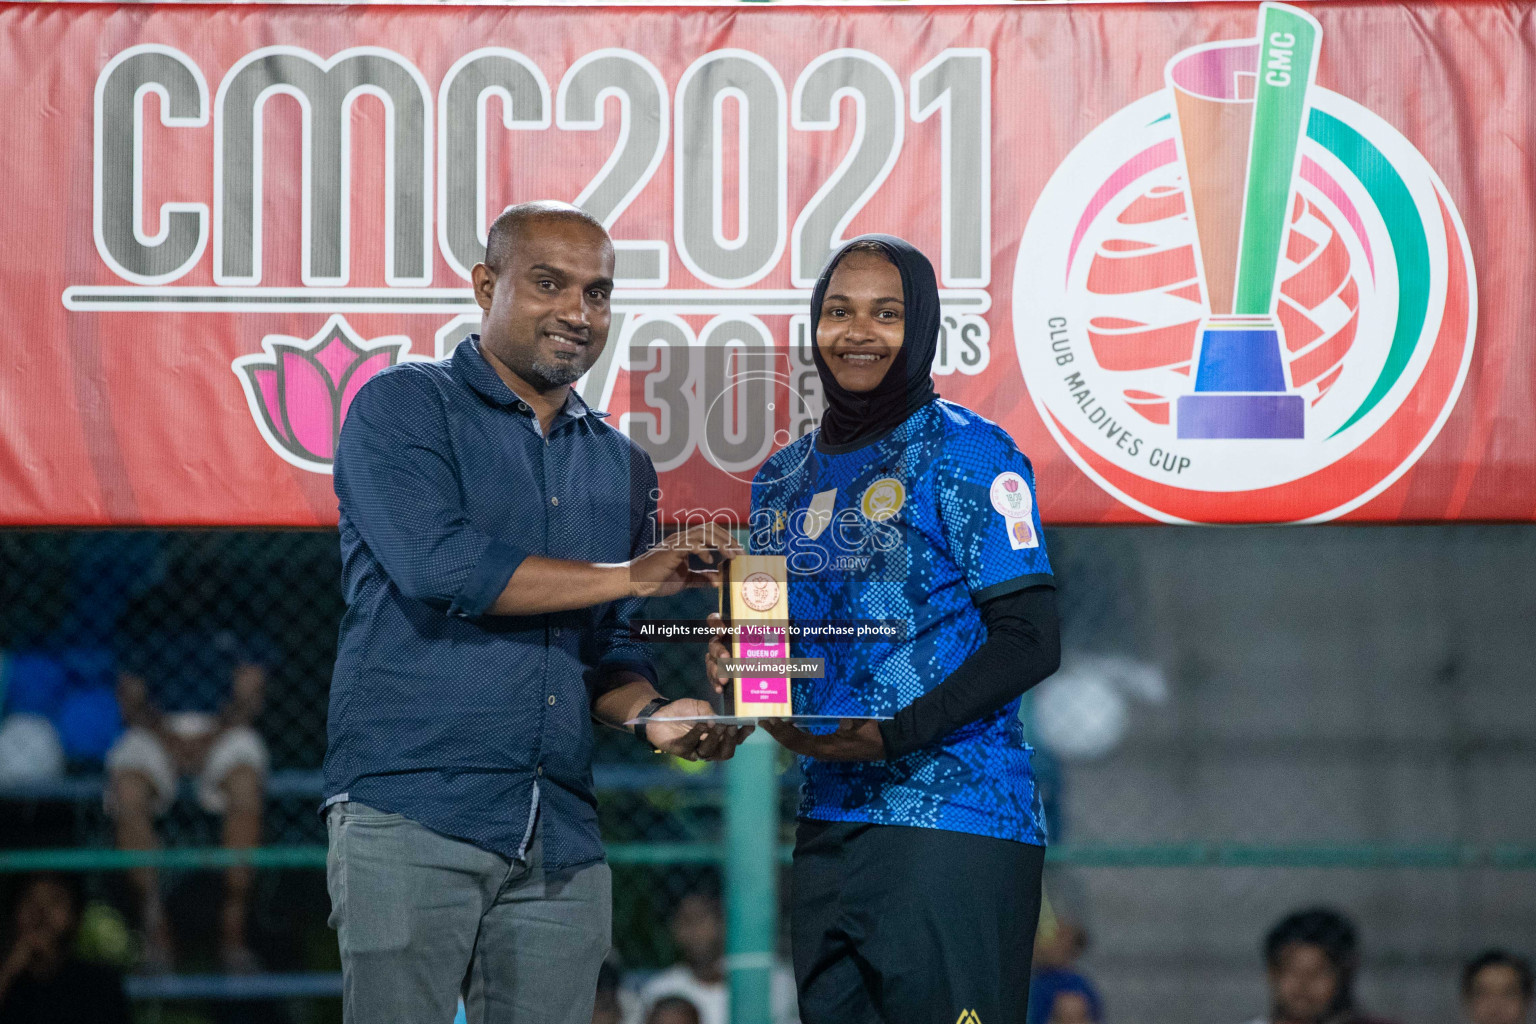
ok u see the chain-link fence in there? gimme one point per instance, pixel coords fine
(1253, 721)
(1246, 722)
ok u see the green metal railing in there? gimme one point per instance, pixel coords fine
(1177, 855)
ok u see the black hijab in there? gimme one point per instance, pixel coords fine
(854, 419)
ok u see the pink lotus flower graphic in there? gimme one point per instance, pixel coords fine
(299, 391)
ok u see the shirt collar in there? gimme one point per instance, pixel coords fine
(576, 408)
(472, 368)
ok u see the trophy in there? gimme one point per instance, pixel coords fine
(754, 602)
(1242, 110)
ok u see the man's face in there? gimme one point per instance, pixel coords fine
(1495, 997)
(698, 931)
(546, 308)
(1304, 984)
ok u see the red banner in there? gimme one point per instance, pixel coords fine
(1205, 262)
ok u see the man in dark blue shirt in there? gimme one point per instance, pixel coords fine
(496, 538)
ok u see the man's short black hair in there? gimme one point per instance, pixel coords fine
(1327, 929)
(504, 230)
(1497, 958)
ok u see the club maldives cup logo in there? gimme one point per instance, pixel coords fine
(1245, 297)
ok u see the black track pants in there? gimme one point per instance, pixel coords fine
(899, 925)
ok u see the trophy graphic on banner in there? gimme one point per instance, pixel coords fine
(1241, 110)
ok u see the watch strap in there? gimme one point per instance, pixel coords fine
(644, 717)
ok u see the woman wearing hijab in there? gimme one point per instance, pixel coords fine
(921, 837)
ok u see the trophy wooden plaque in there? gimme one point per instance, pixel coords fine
(754, 602)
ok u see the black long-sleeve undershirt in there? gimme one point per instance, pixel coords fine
(1023, 646)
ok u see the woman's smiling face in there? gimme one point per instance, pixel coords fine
(863, 320)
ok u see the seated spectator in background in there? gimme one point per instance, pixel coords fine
(190, 693)
(673, 1010)
(1059, 943)
(41, 981)
(613, 1005)
(1312, 957)
(1062, 997)
(1496, 989)
(698, 930)
(1059, 992)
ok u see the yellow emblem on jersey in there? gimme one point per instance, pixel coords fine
(883, 499)
(968, 1017)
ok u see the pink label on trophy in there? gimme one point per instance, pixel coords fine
(765, 691)
(764, 643)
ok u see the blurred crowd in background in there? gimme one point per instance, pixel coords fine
(169, 689)
(51, 972)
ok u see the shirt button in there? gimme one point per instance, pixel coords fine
(551, 700)
(554, 501)
(541, 769)
(522, 406)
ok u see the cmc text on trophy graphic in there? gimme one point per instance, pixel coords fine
(1241, 108)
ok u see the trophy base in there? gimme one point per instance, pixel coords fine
(755, 719)
(1246, 416)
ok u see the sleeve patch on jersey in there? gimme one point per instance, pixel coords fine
(1021, 534)
(1010, 496)
(1011, 499)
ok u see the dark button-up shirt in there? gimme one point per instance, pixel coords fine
(468, 723)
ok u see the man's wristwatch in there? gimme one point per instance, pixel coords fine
(644, 719)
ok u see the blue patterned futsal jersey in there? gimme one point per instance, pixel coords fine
(913, 531)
